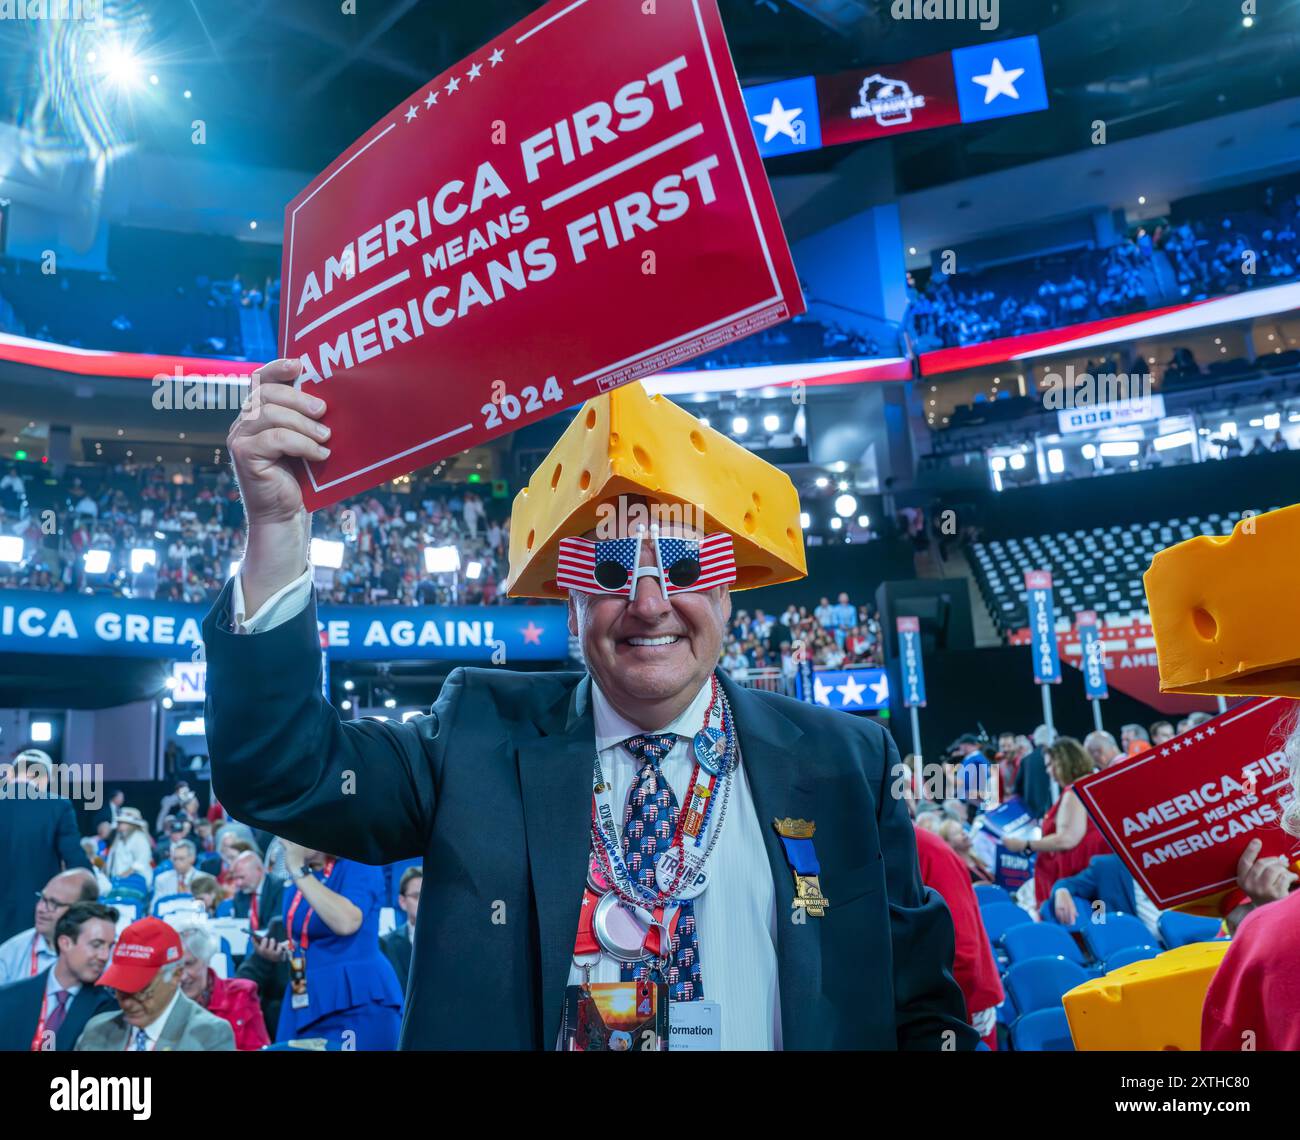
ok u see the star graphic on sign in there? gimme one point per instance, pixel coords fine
(999, 81)
(496, 57)
(851, 690)
(532, 633)
(474, 72)
(431, 98)
(881, 690)
(453, 84)
(1209, 731)
(1175, 746)
(410, 112)
(779, 121)
(1163, 753)
(821, 691)
(1200, 736)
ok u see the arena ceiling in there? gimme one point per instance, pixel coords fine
(290, 83)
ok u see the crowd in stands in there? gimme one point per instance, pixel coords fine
(1197, 256)
(767, 650)
(1073, 875)
(214, 907)
(195, 529)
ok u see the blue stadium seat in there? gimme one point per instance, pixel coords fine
(1118, 932)
(1127, 957)
(1178, 929)
(1007, 1012)
(1041, 940)
(1038, 983)
(1044, 1030)
(986, 894)
(1082, 906)
(1001, 917)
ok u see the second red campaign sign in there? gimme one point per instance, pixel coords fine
(578, 204)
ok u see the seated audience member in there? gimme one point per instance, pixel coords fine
(33, 951)
(397, 943)
(1102, 748)
(1254, 998)
(256, 894)
(973, 966)
(234, 1000)
(153, 1013)
(130, 860)
(331, 913)
(170, 804)
(1033, 782)
(1161, 733)
(1133, 738)
(1070, 838)
(179, 879)
(49, 1011)
(206, 889)
(955, 835)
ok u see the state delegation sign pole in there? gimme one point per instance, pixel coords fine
(1042, 632)
(909, 649)
(1092, 662)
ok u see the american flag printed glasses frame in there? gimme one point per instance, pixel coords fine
(612, 566)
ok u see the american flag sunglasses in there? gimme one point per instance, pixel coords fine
(611, 566)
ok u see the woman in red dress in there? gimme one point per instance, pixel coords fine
(1070, 838)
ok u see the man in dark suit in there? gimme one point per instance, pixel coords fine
(38, 838)
(49, 1011)
(397, 943)
(494, 787)
(1033, 783)
(259, 898)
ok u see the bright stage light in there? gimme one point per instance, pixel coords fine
(141, 557)
(845, 505)
(96, 561)
(122, 67)
(771, 423)
(11, 548)
(41, 731)
(326, 553)
(473, 570)
(441, 559)
(739, 426)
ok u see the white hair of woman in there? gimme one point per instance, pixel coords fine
(199, 941)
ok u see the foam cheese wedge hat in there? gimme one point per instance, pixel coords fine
(1225, 612)
(626, 442)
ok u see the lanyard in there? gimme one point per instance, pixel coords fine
(293, 908)
(40, 1023)
(36, 941)
(252, 912)
(698, 818)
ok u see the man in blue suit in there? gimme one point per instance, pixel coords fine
(49, 1011)
(38, 838)
(806, 928)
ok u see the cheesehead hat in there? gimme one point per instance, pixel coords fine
(628, 443)
(1223, 610)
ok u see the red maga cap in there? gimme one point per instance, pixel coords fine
(142, 949)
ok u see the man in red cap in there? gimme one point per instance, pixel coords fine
(154, 1013)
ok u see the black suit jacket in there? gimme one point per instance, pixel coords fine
(1033, 784)
(20, 1010)
(38, 839)
(396, 945)
(493, 789)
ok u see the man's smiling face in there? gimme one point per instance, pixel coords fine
(650, 654)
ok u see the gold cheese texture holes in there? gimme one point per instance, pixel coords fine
(751, 523)
(642, 458)
(1205, 624)
(584, 480)
(532, 534)
(591, 418)
(697, 442)
(555, 475)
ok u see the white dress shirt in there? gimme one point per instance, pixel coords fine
(53, 986)
(735, 916)
(16, 956)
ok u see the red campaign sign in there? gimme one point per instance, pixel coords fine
(576, 205)
(872, 103)
(1180, 814)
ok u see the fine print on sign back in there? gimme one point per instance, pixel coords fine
(1181, 813)
(576, 205)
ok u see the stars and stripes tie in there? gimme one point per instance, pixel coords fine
(649, 821)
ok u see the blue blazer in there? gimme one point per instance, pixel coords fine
(1105, 878)
(493, 789)
(20, 1010)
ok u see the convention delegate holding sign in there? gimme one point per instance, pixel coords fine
(579, 204)
(1181, 813)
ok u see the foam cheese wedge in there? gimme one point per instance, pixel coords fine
(626, 442)
(1150, 1005)
(1226, 611)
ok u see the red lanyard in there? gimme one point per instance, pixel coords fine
(40, 1023)
(252, 912)
(36, 941)
(293, 908)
